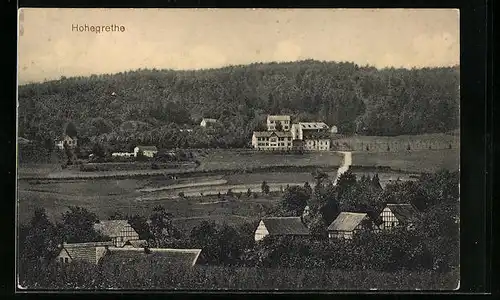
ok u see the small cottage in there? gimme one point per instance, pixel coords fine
(280, 226)
(394, 215)
(148, 151)
(71, 142)
(119, 231)
(205, 122)
(90, 252)
(347, 224)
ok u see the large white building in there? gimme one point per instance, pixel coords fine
(315, 135)
(272, 121)
(272, 140)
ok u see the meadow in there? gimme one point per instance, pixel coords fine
(419, 161)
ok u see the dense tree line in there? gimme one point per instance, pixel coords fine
(151, 106)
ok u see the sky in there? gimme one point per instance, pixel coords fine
(48, 48)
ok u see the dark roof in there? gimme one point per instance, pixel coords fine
(148, 148)
(111, 227)
(137, 243)
(317, 135)
(347, 221)
(160, 257)
(285, 226)
(270, 133)
(90, 252)
(403, 212)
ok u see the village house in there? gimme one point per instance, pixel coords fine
(272, 140)
(394, 215)
(205, 122)
(347, 224)
(273, 120)
(90, 252)
(280, 226)
(119, 231)
(148, 151)
(71, 142)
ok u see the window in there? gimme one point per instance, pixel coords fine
(393, 224)
(66, 260)
(61, 259)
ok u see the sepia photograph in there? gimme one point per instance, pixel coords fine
(238, 149)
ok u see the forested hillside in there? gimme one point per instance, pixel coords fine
(151, 105)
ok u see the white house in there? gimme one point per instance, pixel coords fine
(347, 224)
(72, 142)
(272, 140)
(280, 226)
(149, 151)
(272, 120)
(90, 252)
(207, 121)
(300, 128)
(394, 215)
(119, 231)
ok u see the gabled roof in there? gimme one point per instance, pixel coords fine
(285, 226)
(313, 125)
(137, 243)
(347, 221)
(278, 117)
(111, 227)
(271, 133)
(403, 212)
(209, 120)
(86, 251)
(148, 148)
(161, 257)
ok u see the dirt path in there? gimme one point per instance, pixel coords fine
(346, 163)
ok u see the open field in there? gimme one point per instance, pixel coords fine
(246, 159)
(411, 161)
(434, 141)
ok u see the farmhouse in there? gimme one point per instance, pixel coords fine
(119, 231)
(395, 215)
(90, 252)
(206, 122)
(71, 142)
(272, 121)
(280, 226)
(149, 151)
(272, 140)
(347, 224)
